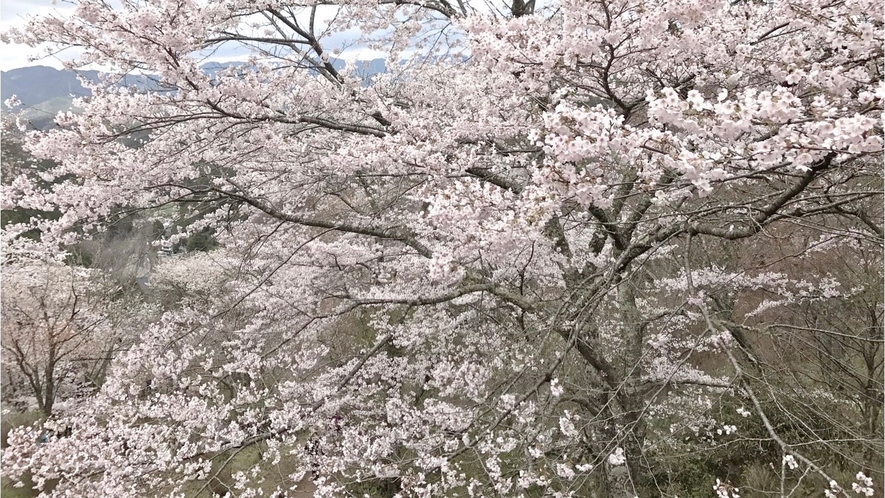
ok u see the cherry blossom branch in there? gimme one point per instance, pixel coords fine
(400, 235)
(764, 216)
(451, 295)
(748, 390)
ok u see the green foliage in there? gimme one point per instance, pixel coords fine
(203, 240)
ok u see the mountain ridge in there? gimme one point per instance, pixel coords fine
(43, 90)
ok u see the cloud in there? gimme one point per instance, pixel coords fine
(15, 14)
(17, 9)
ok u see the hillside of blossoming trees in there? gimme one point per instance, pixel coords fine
(589, 248)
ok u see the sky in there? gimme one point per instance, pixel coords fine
(14, 13)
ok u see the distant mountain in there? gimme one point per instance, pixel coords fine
(44, 91)
(367, 69)
(38, 84)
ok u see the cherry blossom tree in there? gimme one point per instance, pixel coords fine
(58, 333)
(527, 260)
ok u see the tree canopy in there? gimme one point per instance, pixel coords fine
(612, 248)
